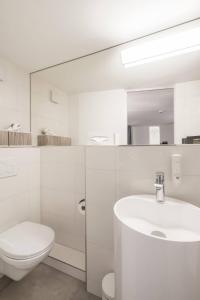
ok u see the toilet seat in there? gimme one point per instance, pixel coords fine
(25, 241)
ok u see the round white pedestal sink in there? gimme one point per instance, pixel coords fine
(157, 249)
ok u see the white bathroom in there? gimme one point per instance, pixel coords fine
(99, 150)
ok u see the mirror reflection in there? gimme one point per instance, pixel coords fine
(150, 117)
(143, 92)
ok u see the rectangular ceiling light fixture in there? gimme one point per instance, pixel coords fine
(161, 46)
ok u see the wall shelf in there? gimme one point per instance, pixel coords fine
(3, 138)
(19, 139)
(53, 140)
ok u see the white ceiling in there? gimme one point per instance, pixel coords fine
(105, 71)
(143, 107)
(38, 33)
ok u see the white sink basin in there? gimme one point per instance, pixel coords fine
(157, 249)
(173, 220)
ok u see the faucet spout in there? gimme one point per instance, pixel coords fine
(160, 186)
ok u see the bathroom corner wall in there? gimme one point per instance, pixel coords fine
(62, 187)
(20, 194)
(115, 172)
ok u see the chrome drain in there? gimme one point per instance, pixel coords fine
(159, 234)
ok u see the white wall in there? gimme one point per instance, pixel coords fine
(14, 96)
(186, 109)
(62, 187)
(115, 172)
(79, 116)
(46, 114)
(140, 134)
(20, 195)
(101, 195)
(167, 133)
(99, 113)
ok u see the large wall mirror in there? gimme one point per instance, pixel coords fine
(146, 91)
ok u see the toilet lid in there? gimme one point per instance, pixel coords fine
(26, 240)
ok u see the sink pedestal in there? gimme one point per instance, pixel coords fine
(154, 267)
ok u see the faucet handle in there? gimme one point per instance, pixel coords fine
(160, 177)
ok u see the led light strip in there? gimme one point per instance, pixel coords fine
(161, 47)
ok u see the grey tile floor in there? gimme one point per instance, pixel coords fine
(46, 283)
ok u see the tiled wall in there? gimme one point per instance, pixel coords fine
(62, 187)
(115, 172)
(20, 194)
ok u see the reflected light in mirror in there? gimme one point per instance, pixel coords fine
(157, 47)
(154, 135)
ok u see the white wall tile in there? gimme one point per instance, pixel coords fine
(62, 187)
(100, 263)
(101, 196)
(101, 157)
(100, 199)
(73, 155)
(20, 195)
(35, 205)
(57, 177)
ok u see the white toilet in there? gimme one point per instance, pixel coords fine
(23, 247)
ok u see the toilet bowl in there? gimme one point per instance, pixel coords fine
(23, 247)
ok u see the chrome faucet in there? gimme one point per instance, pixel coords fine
(160, 186)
